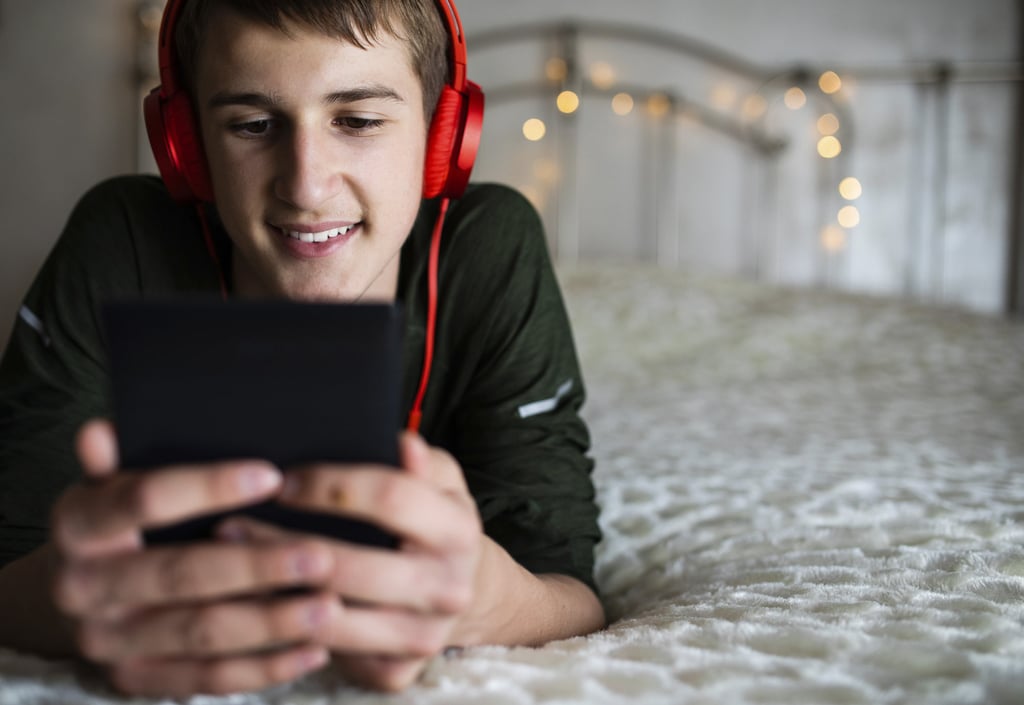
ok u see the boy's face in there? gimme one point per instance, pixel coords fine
(316, 151)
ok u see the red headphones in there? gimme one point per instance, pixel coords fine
(175, 138)
(451, 150)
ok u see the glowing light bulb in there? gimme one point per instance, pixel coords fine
(658, 105)
(829, 82)
(534, 129)
(602, 75)
(724, 96)
(622, 103)
(850, 189)
(568, 102)
(754, 106)
(833, 238)
(828, 124)
(795, 98)
(556, 69)
(849, 217)
(829, 147)
(547, 171)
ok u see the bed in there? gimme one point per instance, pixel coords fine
(808, 497)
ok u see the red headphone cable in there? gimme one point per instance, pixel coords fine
(416, 414)
(211, 247)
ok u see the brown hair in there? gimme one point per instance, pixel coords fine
(358, 22)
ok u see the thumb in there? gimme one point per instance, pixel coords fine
(414, 454)
(435, 465)
(96, 447)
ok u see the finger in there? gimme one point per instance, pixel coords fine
(243, 529)
(413, 580)
(384, 631)
(182, 678)
(399, 503)
(435, 465)
(180, 574)
(129, 502)
(96, 447)
(216, 629)
(388, 673)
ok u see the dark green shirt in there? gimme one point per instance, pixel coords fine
(504, 393)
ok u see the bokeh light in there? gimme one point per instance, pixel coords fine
(622, 103)
(659, 105)
(568, 102)
(828, 124)
(602, 75)
(795, 98)
(556, 69)
(829, 82)
(534, 129)
(829, 147)
(850, 189)
(833, 238)
(754, 106)
(849, 217)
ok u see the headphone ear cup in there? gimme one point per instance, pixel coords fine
(178, 151)
(442, 141)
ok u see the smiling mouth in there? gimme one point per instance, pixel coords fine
(322, 236)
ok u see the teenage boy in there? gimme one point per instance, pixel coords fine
(314, 117)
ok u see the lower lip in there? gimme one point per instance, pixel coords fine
(315, 250)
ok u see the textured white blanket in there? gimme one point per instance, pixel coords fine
(807, 498)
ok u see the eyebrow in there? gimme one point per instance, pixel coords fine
(349, 95)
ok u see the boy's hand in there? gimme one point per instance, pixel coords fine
(188, 619)
(396, 609)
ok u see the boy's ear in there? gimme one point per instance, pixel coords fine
(453, 141)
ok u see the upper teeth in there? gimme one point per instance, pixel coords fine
(323, 236)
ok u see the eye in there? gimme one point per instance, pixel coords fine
(359, 124)
(252, 128)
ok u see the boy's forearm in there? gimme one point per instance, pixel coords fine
(517, 607)
(29, 620)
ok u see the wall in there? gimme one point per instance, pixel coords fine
(69, 119)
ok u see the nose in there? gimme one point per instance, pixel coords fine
(307, 173)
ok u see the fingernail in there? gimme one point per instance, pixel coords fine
(259, 480)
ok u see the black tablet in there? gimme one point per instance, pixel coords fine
(289, 382)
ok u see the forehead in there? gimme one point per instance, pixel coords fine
(241, 49)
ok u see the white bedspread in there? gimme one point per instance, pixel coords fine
(807, 498)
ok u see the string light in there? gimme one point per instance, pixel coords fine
(850, 189)
(754, 106)
(833, 238)
(547, 171)
(828, 124)
(622, 103)
(658, 105)
(849, 217)
(602, 75)
(829, 82)
(829, 147)
(556, 69)
(534, 129)
(795, 98)
(568, 102)
(724, 97)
